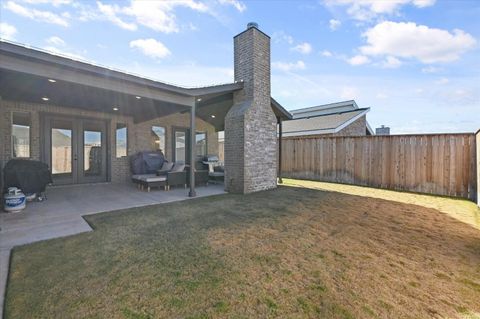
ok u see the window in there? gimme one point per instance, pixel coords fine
(201, 144)
(158, 138)
(21, 134)
(121, 140)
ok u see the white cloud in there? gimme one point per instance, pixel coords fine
(326, 53)
(7, 31)
(368, 9)
(54, 40)
(55, 3)
(156, 15)
(442, 81)
(349, 93)
(159, 15)
(409, 40)
(391, 62)
(288, 67)
(304, 48)
(110, 13)
(334, 24)
(151, 47)
(431, 69)
(38, 15)
(281, 36)
(358, 60)
(240, 6)
(381, 96)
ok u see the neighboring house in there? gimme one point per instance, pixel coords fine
(71, 115)
(335, 119)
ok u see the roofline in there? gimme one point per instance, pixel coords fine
(329, 114)
(287, 114)
(23, 51)
(252, 27)
(330, 129)
(310, 132)
(326, 106)
(350, 121)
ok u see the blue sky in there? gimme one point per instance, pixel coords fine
(415, 63)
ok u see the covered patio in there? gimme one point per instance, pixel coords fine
(61, 214)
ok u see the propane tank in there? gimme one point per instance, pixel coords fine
(14, 200)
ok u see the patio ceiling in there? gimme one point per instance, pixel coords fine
(24, 87)
(32, 75)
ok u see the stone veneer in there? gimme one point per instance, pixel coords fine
(138, 134)
(251, 125)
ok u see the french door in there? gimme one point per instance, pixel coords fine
(75, 150)
(181, 145)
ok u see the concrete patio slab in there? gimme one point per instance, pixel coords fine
(61, 214)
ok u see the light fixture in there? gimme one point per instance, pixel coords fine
(45, 98)
(115, 108)
(52, 80)
(199, 100)
(212, 116)
(138, 97)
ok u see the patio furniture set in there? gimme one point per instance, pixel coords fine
(151, 169)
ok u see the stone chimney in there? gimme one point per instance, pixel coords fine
(251, 125)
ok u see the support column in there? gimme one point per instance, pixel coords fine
(192, 192)
(280, 180)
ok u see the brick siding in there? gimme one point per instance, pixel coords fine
(250, 125)
(138, 134)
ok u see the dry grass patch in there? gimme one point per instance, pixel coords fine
(291, 252)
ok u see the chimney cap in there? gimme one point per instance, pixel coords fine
(252, 25)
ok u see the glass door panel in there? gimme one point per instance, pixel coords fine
(62, 151)
(93, 153)
(180, 145)
(92, 150)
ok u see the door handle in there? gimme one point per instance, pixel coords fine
(75, 157)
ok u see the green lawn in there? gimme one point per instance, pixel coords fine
(294, 252)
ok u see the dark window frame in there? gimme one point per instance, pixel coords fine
(164, 149)
(116, 139)
(12, 143)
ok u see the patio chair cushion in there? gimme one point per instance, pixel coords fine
(167, 166)
(149, 178)
(178, 167)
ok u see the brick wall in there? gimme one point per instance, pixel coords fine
(250, 125)
(138, 134)
(357, 128)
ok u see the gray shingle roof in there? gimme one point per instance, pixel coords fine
(325, 123)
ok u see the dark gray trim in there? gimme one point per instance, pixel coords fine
(193, 133)
(281, 111)
(35, 55)
(336, 113)
(253, 27)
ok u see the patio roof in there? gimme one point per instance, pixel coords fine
(30, 75)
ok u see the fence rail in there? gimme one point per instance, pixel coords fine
(441, 164)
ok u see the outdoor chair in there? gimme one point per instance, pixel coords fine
(170, 174)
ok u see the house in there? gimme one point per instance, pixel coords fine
(85, 120)
(334, 119)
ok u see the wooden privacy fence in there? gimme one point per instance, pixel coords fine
(441, 164)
